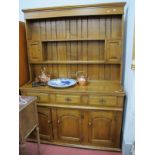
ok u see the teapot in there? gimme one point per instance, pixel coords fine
(81, 78)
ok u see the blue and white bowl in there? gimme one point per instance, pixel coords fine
(62, 82)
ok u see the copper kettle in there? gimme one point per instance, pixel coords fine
(43, 77)
(81, 78)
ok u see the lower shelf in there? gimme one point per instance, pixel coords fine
(75, 62)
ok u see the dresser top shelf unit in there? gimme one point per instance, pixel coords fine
(68, 39)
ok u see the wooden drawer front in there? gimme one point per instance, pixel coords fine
(41, 97)
(103, 100)
(68, 99)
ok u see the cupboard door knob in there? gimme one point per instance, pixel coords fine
(58, 121)
(49, 121)
(90, 124)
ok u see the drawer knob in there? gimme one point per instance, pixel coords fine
(89, 124)
(67, 99)
(58, 121)
(102, 101)
(38, 97)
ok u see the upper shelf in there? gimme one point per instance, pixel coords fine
(78, 39)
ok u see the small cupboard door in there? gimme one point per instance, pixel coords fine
(45, 123)
(69, 125)
(101, 128)
(114, 50)
(35, 53)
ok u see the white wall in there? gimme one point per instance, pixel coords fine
(129, 79)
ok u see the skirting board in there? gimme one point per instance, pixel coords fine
(77, 145)
(127, 149)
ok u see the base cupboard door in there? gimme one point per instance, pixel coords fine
(45, 123)
(101, 128)
(69, 125)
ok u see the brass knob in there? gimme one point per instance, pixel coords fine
(67, 99)
(38, 97)
(90, 124)
(102, 101)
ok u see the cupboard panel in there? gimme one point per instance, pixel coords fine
(35, 52)
(69, 125)
(101, 128)
(114, 50)
(45, 124)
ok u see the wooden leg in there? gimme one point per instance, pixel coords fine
(22, 149)
(38, 140)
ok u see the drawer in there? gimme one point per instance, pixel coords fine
(103, 100)
(41, 97)
(75, 99)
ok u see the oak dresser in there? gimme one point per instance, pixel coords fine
(68, 39)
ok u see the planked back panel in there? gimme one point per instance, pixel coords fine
(77, 39)
(94, 71)
(74, 50)
(76, 28)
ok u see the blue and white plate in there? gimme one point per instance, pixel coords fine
(62, 82)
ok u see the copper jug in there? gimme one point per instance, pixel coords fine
(81, 78)
(43, 77)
